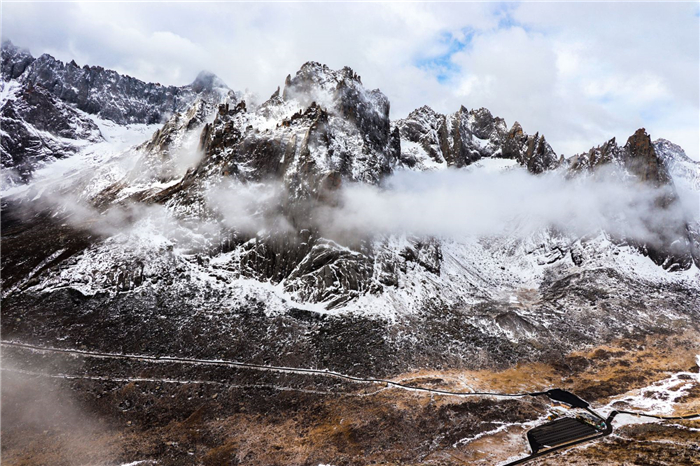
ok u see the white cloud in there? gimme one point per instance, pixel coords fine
(580, 73)
(473, 202)
(516, 203)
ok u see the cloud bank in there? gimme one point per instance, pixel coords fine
(476, 202)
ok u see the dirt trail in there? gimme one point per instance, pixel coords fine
(281, 369)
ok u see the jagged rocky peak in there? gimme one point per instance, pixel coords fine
(162, 155)
(424, 140)
(668, 151)
(324, 130)
(14, 60)
(596, 156)
(341, 92)
(96, 90)
(532, 152)
(675, 246)
(461, 138)
(325, 124)
(483, 124)
(114, 97)
(637, 157)
(424, 115)
(642, 160)
(44, 96)
(314, 76)
(206, 81)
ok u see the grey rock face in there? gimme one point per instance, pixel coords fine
(343, 95)
(103, 92)
(466, 136)
(42, 119)
(106, 93)
(344, 132)
(38, 127)
(14, 61)
(532, 152)
(319, 131)
(292, 296)
(180, 134)
(340, 133)
(676, 247)
(44, 112)
(427, 128)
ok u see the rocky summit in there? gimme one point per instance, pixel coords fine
(154, 220)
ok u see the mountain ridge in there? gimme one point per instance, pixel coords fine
(216, 226)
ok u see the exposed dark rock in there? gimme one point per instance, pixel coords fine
(96, 90)
(38, 128)
(42, 123)
(674, 246)
(322, 131)
(14, 61)
(533, 152)
(466, 136)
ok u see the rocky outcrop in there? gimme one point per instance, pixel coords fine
(46, 102)
(672, 244)
(637, 157)
(532, 152)
(325, 124)
(428, 129)
(324, 129)
(354, 111)
(106, 93)
(319, 131)
(460, 139)
(640, 159)
(174, 148)
(14, 61)
(37, 127)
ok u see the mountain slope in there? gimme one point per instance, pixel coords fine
(217, 235)
(52, 109)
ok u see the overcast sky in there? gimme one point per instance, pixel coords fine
(579, 73)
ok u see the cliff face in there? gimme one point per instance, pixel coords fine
(675, 245)
(14, 61)
(38, 128)
(51, 107)
(95, 90)
(462, 138)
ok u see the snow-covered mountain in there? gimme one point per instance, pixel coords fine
(51, 109)
(215, 229)
(682, 168)
(432, 140)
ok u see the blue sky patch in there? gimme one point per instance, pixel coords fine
(442, 65)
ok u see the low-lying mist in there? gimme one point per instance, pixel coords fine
(447, 203)
(44, 421)
(457, 203)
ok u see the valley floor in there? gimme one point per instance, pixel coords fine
(73, 408)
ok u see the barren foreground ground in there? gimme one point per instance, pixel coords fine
(107, 411)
